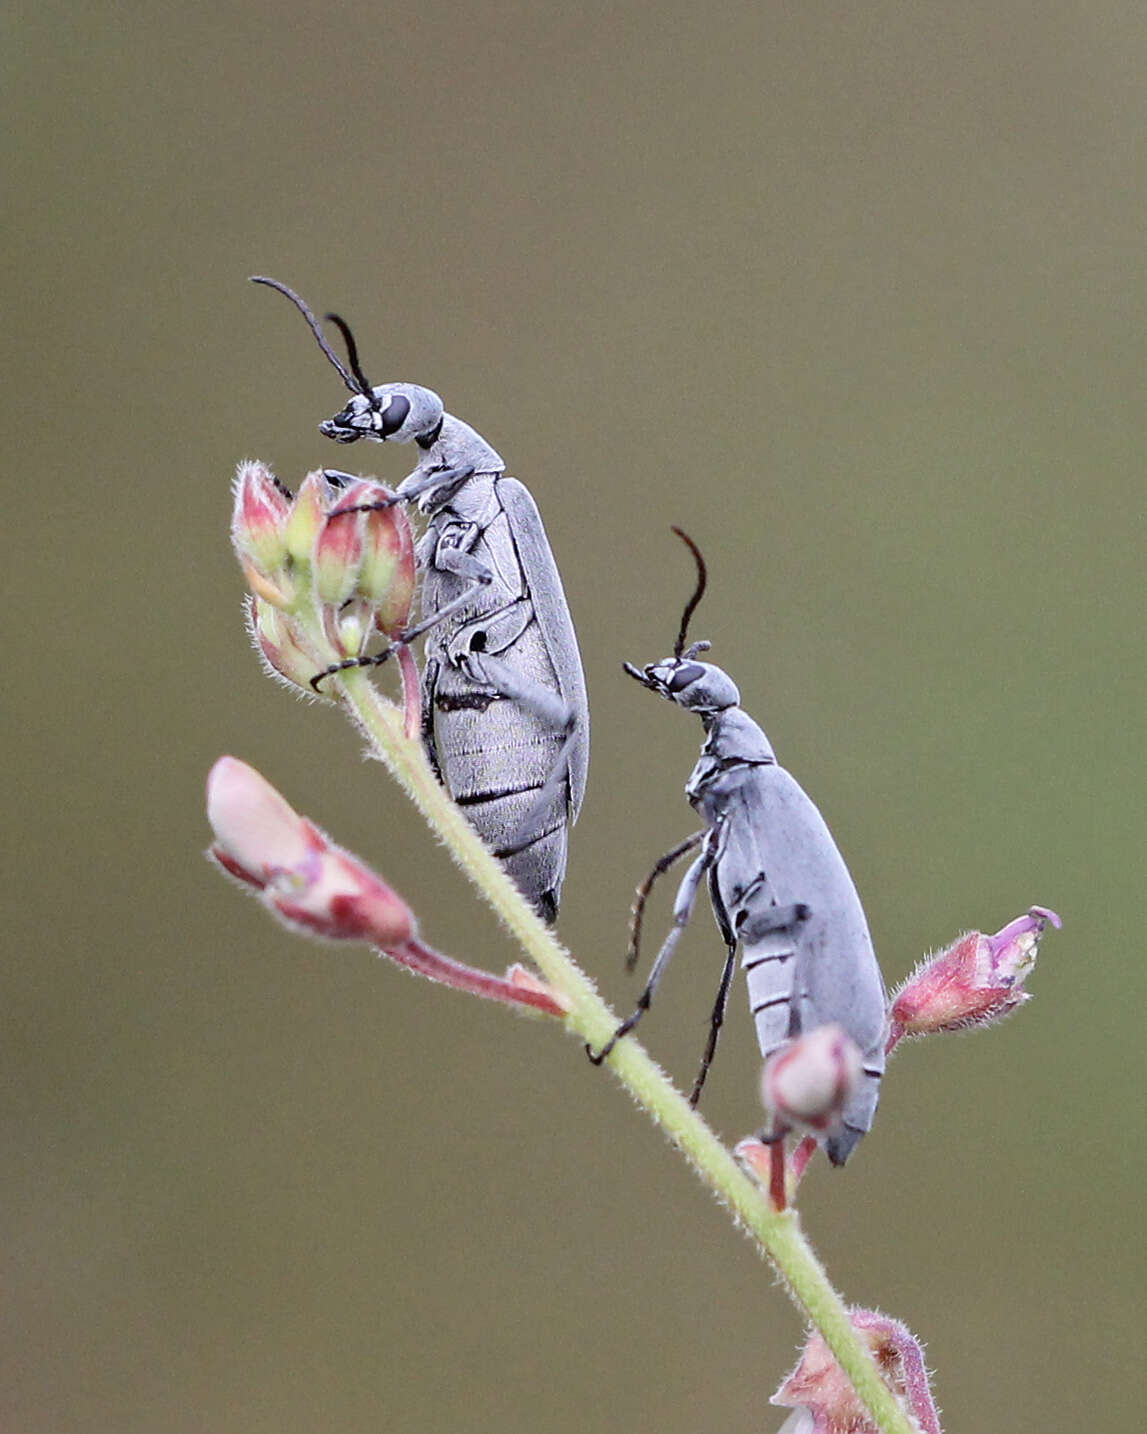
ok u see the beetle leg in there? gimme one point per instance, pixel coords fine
(716, 1021)
(435, 478)
(490, 671)
(682, 911)
(429, 744)
(660, 868)
(463, 564)
(417, 483)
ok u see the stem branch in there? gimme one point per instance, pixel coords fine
(777, 1234)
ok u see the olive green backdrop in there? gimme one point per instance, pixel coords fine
(856, 294)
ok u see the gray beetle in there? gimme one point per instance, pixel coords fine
(777, 882)
(505, 721)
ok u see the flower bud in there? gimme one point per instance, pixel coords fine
(976, 981)
(308, 516)
(386, 575)
(258, 519)
(276, 635)
(337, 558)
(823, 1399)
(302, 876)
(314, 886)
(388, 569)
(257, 832)
(807, 1081)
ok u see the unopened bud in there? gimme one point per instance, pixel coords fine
(386, 573)
(388, 568)
(823, 1399)
(308, 516)
(276, 635)
(258, 519)
(978, 980)
(302, 876)
(807, 1081)
(337, 558)
(311, 884)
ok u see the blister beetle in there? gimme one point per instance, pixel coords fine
(505, 721)
(777, 882)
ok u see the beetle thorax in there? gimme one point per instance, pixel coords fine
(460, 446)
(735, 737)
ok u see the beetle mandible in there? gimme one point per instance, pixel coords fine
(778, 885)
(505, 721)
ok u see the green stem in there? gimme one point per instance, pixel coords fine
(778, 1235)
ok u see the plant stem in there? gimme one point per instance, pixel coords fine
(778, 1235)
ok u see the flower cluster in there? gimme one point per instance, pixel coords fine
(328, 569)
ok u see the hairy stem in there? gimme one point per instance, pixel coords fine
(778, 1234)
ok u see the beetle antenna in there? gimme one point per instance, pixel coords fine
(699, 593)
(316, 329)
(343, 327)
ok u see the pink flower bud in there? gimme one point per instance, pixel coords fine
(302, 876)
(807, 1081)
(388, 571)
(823, 1398)
(337, 558)
(258, 519)
(311, 884)
(386, 575)
(976, 981)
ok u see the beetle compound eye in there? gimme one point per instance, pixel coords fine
(395, 414)
(687, 673)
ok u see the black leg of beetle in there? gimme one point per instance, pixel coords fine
(682, 911)
(638, 912)
(408, 634)
(350, 662)
(427, 481)
(643, 1001)
(716, 1021)
(429, 740)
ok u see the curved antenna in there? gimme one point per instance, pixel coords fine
(316, 329)
(699, 593)
(343, 327)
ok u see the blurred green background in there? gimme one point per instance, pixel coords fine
(856, 294)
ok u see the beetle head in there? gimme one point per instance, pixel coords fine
(696, 686)
(398, 411)
(393, 411)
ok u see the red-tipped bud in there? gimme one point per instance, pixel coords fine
(311, 884)
(807, 1081)
(337, 558)
(976, 981)
(302, 876)
(386, 573)
(258, 519)
(822, 1398)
